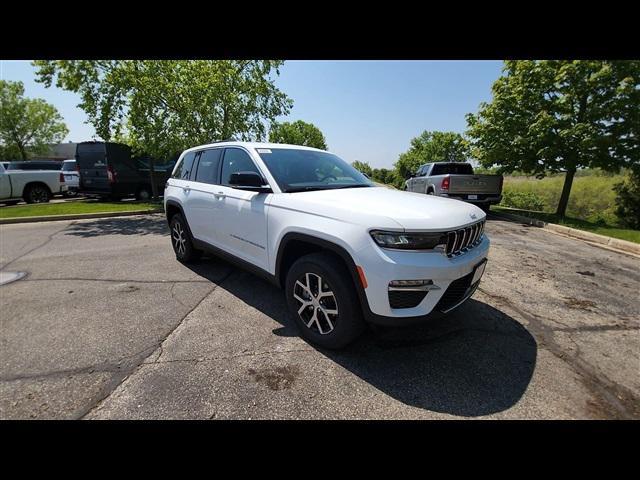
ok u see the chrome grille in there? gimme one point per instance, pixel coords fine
(459, 241)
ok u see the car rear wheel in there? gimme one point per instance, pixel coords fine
(37, 194)
(323, 302)
(181, 240)
(143, 194)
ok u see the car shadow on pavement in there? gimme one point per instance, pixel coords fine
(147, 225)
(475, 361)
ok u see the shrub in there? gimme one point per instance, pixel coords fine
(628, 201)
(522, 200)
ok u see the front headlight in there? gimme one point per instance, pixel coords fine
(410, 241)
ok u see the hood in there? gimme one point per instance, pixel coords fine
(381, 207)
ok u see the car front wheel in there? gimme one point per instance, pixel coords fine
(322, 300)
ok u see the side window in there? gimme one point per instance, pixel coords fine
(208, 166)
(236, 160)
(184, 167)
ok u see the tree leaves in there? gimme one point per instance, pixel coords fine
(298, 133)
(166, 106)
(27, 125)
(432, 147)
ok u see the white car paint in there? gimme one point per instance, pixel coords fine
(251, 225)
(13, 182)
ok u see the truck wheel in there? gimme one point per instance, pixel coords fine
(322, 301)
(143, 194)
(181, 240)
(37, 194)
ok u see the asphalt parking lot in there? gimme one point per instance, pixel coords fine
(108, 325)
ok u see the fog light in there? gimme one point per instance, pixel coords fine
(412, 285)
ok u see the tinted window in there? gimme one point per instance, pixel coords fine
(236, 160)
(91, 155)
(208, 166)
(185, 166)
(300, 170)
(35, 165)
(452, 168)
(69, 166)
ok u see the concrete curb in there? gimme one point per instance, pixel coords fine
(613, 243)
(76, 216)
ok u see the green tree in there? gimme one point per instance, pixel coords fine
(558, 116)
(166, 106)
(363, 167)
(628, 200)
(432, 147)
(27, 125)
(298, 133)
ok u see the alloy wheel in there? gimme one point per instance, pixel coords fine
(179, 239)
(318, 308)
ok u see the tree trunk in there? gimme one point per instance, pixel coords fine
(154, 188)
(566, 190)
(23, 152)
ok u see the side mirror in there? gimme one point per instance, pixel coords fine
(248, 181)
(408, 175)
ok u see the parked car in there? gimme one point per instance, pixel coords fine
(33, 186)
(110, 170)
(71, 176)
(344, 250)
(456, 180)
(35, 165)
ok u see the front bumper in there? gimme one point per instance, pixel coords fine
(381, 266)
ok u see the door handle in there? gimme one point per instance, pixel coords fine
(186, 189)
(219, 194)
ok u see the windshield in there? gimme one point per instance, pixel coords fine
(304, 170)
(69, 167)
(452, 168)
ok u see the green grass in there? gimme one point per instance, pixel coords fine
(592, 197)
(75, 207)
(621, 233)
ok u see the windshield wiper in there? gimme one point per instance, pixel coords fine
(360, 185)
(303, 189)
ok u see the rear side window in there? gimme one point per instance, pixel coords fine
(69, 167)
(184, 167)
(236, 160)
(208, 166)
(452, 168)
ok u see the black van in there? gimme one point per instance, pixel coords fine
(110, 170)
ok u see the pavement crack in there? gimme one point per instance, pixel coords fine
(114, 280)
(615, 400)
(227, 357)
(108, 391)
(49, 239)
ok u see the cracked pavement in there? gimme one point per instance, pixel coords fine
(108, 325)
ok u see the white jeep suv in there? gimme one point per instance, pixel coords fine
(344, 250)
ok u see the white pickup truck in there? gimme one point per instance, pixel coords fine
(456, 180)
(32, 186)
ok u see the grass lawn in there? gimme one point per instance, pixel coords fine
(621, 233)
(68, 208)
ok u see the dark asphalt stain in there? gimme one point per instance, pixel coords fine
(587, 273)
(276, 378)
(577, 304)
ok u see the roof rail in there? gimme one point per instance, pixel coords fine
(230, 139)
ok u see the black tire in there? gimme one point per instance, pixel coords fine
(37, 194)
(181, 240)
(347, 324)
(144, 193)
(486, 207)
(11, 202)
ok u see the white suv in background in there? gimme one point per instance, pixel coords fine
(344, 250)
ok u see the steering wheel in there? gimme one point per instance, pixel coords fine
(328, 176)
